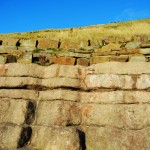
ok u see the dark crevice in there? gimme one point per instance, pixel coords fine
(82, 139)
(37, 42)
(24, 137)
(30, 114)
(59, 44)
(89, 42)
(1, 42)
(11, 59)
(18, 43)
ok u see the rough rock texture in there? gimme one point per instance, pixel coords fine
(105, 106)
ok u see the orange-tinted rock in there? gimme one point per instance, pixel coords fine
(10, 42)
(119, 58)
(83, 61)
(62, 60)
(47, 43)
(100, 59)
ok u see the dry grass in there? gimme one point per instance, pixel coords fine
(94, 33)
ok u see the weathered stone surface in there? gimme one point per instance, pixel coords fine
(120, 68)
(137, 58)
(130, 45)
(120, 116)
(122, 58)
(99, 59)
(9, 110)
(145, 51)
(115, 97)
(116, 139)
(28, 43)
(47, 43)
(83, 61)
(10, 42)
(60, 113)
(62, 60)
(11, 82)
(9, 136)
(24, 70)
(59, 94)
(133, 51)
(145, 45)
(2, 60)
(47, 138)
(143, 82)
(68, 71)
(61, 82)
(26, 58)
(109, 81)
(26, 48)
(19, 94)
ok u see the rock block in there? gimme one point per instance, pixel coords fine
(62, 60)
(133, 45)
(55, 138)
(119, 58)
(9, 136)
(59, 94)
(99, 59)
(60, 113)
(14, 111)
(120, 116)
(2, 60)
(10, 42)
(28, 43)
(145, 51)
(47, 43)
(83, 61)
(137, 59)
(109, 81)
(116, 139)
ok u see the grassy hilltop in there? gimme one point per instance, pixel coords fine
(96, 32)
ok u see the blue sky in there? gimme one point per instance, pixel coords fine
(31, 15)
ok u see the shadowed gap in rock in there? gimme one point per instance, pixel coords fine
(30, 114)
(82, 139)
(37, 42)
(1, 42)
(11, 59)
(18, 43)
(89, 42)
(24, 137)
(59, 44)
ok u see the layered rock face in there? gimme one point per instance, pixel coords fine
(47, 51)
(100, 107)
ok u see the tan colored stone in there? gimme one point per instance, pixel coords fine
(10, 42)
(119, 58)
(46, 138)
(120, 116)
(16, 70)
(109, 81)
(120, 68)
(62, 60)
(60, 113)
(9, 110)
(100, 59)
(11, 82)
(137, 59)
(133, 45)
(61, 82)
(116, 139)
(143, 82)
(26, 58)
(2, 60)
(115, 97)
(28, 43)
(59, 94)
(19, 94)
(68, 71)
(145, 51)
(145, 45)
(9, 136)
(47, 43)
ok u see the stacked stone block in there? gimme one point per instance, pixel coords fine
(101, 107)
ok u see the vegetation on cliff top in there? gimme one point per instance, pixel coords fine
(97, 32)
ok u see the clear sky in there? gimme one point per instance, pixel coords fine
(31, 15)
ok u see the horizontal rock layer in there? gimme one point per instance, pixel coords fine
(104, 106)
